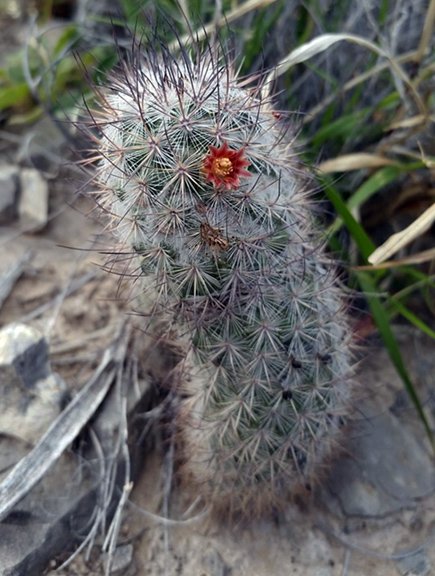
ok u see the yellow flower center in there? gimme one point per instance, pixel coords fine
(222, 167)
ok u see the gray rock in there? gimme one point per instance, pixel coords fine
(51, 518)
(33, 207)
(384, 449)
(122, 558)
(379, 478)
(9, 194)
(43, 148)
(415, 564)
(30, 394)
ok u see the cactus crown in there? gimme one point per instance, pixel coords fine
(198, 176)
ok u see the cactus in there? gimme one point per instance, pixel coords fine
(200, 181)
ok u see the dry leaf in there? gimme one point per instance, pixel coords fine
(354, 162)
(424, 256)
(401, 239)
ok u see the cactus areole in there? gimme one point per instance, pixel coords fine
(202, 185)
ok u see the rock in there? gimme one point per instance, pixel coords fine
(50, 519)
(122, 558)
(387, 465)
(31, 395)
(9, 193)
(44, 146)
(379, 478)
(33, 207)
(415, 564)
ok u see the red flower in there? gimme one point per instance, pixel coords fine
(224, 167)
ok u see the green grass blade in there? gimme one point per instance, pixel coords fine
(343, 127)
(411, 317)
(364, 243)
(378, 180)
(382, 321)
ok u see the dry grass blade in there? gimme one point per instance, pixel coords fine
(111, 538)
(427, 32)
(418, 120)
(359, 79)
(325, 41)
(356, 161)
(64, 429)
(419, 258)
(403, 238)
(185, 521)
(226, 19)
(428, 162)
(98, 512)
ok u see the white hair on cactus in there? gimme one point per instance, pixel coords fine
(199, 178)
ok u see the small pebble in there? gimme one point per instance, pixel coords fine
(33, 206)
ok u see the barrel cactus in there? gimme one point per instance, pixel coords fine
(199, 178)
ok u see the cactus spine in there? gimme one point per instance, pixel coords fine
(200, 182)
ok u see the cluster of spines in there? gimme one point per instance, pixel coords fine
(199, 180)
